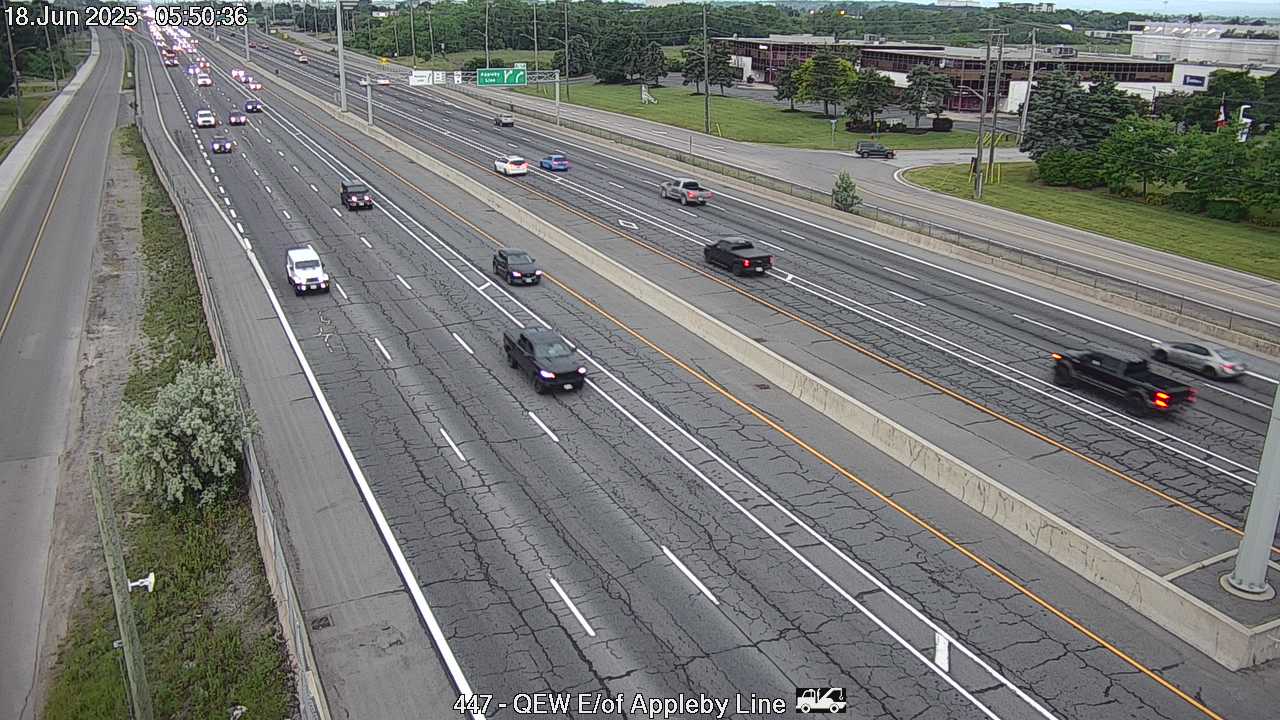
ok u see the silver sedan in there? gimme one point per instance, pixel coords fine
(1212, 362)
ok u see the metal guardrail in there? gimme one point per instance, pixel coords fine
(1172, 302)
(311, 698)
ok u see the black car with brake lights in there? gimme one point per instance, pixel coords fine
(516, 267)
(356, 195)
(253, 106)
(237, 118)
(1123, 374)
(545, 357)
(221, 143)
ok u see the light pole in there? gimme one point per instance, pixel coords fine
(566, 50)
(413, 39)
(13, 63)
(486, 33)
(706, 75)
(53, 61)
(431, 35)
(1031, 78)
(342, 67)
(534, 3)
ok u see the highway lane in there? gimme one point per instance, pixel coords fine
(54, 224)
(1208, 457)
(922, 576)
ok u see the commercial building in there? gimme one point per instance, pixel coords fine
(761, 58)
(1036, 7)
(1207, 42)
(958, 4)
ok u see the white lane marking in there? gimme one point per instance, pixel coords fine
(485, 285)
(313, 188)
(769, 244)
(689, 574)
(280, 152)
(616, 185)
(686, 212)
(1238, 396)
(255, 173)
(511, 145)
(338, 287)
(336, 212)
(463, 343)
(601, 166)
(797, 236)
(402, 282)
(295, 169)
(899, 272)
(904, 297)
(232, 211)
(257, 129)
(227, 200)
(1037, 322)
(287, 216)
(215, 177)
(267, 188)
(544, 427)
(572, 608)
(221, 190)
(382, 349)
(628, 224)
(366, 242)
(1253, 374)
(457, 451)
(240, 228)
(658, 132)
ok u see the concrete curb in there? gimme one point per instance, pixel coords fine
(821, 201)
(1189, 618)
(19, 158)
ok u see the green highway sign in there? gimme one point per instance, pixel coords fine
(502, 76)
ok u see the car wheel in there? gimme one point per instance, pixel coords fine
(1137, 405)
(1209, 372)
(862, 155)
(1160, 356)
(804, 708)
(297, 292)
(1062, 376)
(684, 200)
(537, 386)
(511, 360)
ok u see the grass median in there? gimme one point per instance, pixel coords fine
(1240, 246)
(210, 634)
(744, 119)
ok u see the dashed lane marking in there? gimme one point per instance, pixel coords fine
(544, 427)
(687, 573)
(456, 450)
(463, 343)
(382, 349)
(572, 608)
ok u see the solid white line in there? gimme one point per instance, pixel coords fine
(338, 287)
(616, 185)
(453, 445)
(572, 608)
(542, 425)
(463, 343)
(335, 211)
(1037, 322)
(686, 212)
(899, 272)
(366, 242)
(676, 561)
(382, 349)
(904, 297)
(794, 235)
(402, 282)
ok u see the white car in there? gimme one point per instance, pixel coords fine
(206, 119)
(511, 165)
(254, 84)
(204, 80)
(303, 59)
(305, 272)
(364, 82)
(383, 81)
(237, 74)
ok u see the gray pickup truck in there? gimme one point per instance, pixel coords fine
(685, 190)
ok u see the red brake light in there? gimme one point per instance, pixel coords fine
(1056, 356)
(1162, 399)
(746, 263)
(1162, 395)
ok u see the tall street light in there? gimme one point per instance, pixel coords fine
(706, 74)
(13, 64)
(413, 42)
(486, 33)
(342, 68)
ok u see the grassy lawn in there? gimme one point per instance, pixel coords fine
(1241, 246)
(744, 119)
(31, 109)
(209, 630)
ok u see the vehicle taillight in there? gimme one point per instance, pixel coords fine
(746, 263)
(1191, 395)
(1227, 367)
(1162, 399)
(368, 199)
(1056, 356)
(693, 194)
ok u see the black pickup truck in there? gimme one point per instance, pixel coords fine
(738, 256)
(1123, 374)
(545, 357)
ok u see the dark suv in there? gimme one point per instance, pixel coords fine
(356, 195)
(516, 267)
(866, 149)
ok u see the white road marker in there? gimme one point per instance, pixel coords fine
(287, 216)
(295, 169)
(240, 228)
(255, 174)
(899, 272)
(313, 188)
(794, 235)
(280, 152)
(227, 200)
(572, 608)
(366, 242)
(215, 179)
(453, 445)
(233, 212)
(904, 297)
(616, 185)
(1037, 322)
(542, 425)
(511, 145)
(382, 349)
(338, 287)
(402, 282)
(769, 244)
(628, 225)
(485, 285)
(676, 561)
(601, 166)
(686, 212)
(463, 343)
(267, 188)
(221, 190)
(335, 211)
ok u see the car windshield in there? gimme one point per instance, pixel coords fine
(357, 189)
(553, 350)
(692, 185)
(516, 161)
(557, 158)
(1229, 355)
(308, 265)
(519, 259)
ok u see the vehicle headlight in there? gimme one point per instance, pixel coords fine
(516, 273)
(582, 371)
(537, 272)
(547, 375)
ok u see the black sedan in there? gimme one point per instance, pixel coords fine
(253, 106)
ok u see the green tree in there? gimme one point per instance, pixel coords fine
(787, 84)
(844, 195)
(580, 57)
(1211, 164)
(616, 55)
(1263, 186)
(1107, 104)
(651, 66)
(1056, 117)
(691, 64)
(723, 73)
(1267, 110)
(1138, 148)
(824, 78)
(869, 93)
(187, 444)
(927, 90)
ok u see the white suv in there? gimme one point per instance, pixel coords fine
(204, 80)
(206, 119)
(305, 272)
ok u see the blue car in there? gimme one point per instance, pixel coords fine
(221, 143)
(554, 162)
(253, 106)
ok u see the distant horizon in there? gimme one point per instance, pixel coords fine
(1226, 8)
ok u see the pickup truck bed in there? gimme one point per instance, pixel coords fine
(738, 256)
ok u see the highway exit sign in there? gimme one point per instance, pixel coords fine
(502, 76)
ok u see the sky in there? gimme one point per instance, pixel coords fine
(1205, 7)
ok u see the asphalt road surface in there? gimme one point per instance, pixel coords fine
(53, 226)
(646, 534)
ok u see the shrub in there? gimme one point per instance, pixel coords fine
(1156, 199)
(1227, 209)
(942, 124)
(1087, 170)
(1054, 168)
(844, 196)
(1124, 191)
(1263, 217)
(187, 444)
(1187, 202)
(898, 127)
(859, 126)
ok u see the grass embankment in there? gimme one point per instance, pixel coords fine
(32, 106)
(128, 67)
(1240, 246)
(745, 119)
(209, 630)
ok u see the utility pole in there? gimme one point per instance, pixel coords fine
(534, 3)
(566, 50)
(995, 109)
(342, 67)
(1249, 579)
(431, 34)
(13, 62)
(982, 116)
(368, 99)
(139, 691)
(413, 42)
(1031, 78)
(706, 74)
(486, 33)
(53, 59)
(246, 42)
